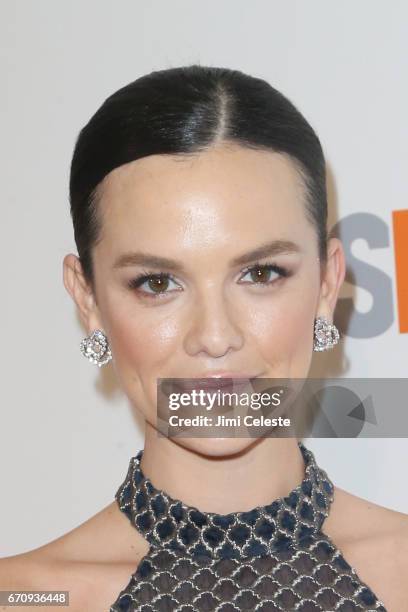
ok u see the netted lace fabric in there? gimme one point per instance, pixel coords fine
(271, 558)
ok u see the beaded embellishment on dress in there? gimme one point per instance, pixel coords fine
(272, 558)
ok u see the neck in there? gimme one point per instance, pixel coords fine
(265, 470)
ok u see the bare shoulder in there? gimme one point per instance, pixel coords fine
(93, 562)
(374, 541)
(35, 571)
(359, 519)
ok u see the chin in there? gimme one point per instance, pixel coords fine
(215, 447)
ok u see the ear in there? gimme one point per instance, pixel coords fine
(81, 293)
(333, 277)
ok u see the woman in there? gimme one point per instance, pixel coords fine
(198, 201)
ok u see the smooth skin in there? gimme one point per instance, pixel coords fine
(205, 211)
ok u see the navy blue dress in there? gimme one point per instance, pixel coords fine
(271, 558)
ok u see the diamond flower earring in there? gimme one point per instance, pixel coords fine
(95, 347)
(326, 334)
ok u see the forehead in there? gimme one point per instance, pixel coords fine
(226, 191)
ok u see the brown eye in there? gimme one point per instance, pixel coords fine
(152, 285)
(158, 284)
(260, 274)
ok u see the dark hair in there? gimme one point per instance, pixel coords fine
(184, 110)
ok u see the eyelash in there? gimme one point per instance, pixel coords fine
(136, 282)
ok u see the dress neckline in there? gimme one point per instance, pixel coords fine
(287, 522)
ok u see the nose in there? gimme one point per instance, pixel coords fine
(212, 329)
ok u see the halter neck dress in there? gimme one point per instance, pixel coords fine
(271, 558)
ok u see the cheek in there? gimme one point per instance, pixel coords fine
(141, 338)
(142, 351)
(284, 331)
(140, 347)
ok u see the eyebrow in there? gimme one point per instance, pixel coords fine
(276, 247)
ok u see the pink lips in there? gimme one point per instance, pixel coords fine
(224, 380)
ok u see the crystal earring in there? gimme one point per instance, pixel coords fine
(326, 334)
(95, 347)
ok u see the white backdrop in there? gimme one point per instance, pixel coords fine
(67, 432)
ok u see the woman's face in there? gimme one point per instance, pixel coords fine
(200, 220)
